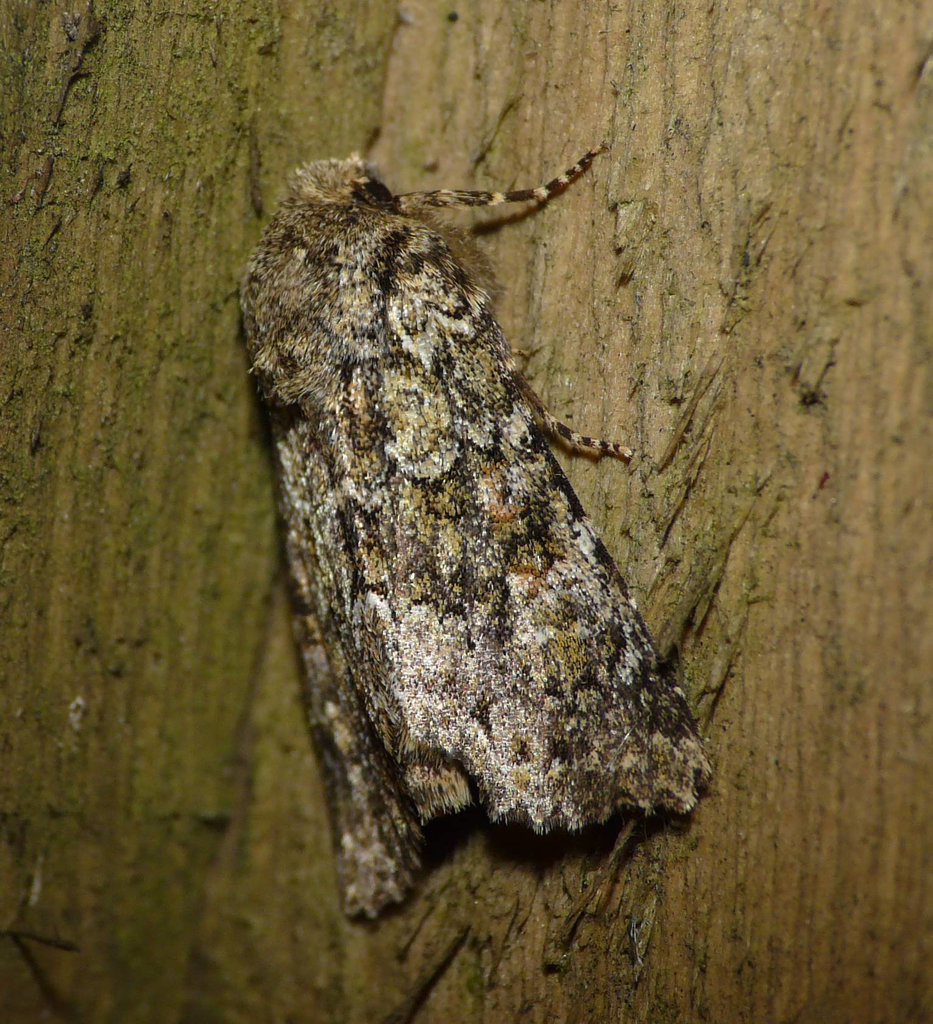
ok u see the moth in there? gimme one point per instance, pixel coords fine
(465, 634)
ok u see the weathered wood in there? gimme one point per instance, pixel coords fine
(741, 290)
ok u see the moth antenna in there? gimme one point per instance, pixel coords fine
(455, 197)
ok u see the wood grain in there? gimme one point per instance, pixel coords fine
(741, 290)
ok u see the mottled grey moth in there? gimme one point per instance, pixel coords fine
(464, 631)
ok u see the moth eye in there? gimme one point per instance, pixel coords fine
(369, 190)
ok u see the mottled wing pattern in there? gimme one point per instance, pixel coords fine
(376, 830)
(507, 641)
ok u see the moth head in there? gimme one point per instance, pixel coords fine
(328, 181)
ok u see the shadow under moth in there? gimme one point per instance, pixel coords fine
(464, 631)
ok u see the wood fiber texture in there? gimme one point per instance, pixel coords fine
(741, 291)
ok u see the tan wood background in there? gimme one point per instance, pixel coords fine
(742, 290)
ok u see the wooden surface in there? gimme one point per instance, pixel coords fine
(741, 290)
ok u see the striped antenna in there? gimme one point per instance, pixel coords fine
(451, 197)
